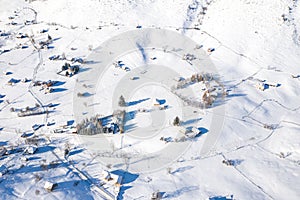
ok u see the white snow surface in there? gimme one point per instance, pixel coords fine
(254, 41)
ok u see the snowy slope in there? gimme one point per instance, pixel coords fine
(254, 42)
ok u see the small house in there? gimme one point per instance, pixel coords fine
(30, 150)
(23, 158)
(228, 162)
(35, 127)
(117, 180)
(121, 65)
(48, 90)
(143, 110)
(111, 178)
(12, 81)
(73, 130)
(25, 80)
(3, 151)
(48, 83)
(125, 68)
(71, 70)
(49, 186)
(106, 176)
(210, 50)
(79, 60)
(194, 132)
(156, 196)
(262, 86)
(158, 102)
(163, 107)
(189, 57)
(134, 78)
(37, 83)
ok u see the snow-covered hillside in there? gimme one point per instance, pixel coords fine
(228, 69)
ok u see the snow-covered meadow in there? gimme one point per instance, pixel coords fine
(248, 146)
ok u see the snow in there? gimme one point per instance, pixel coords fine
(256, 57)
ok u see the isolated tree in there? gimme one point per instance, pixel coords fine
(122, 101)
(90, 47)
(176, 121)
(66, 152)
(49, 38)
(193, 78)
(169, 170)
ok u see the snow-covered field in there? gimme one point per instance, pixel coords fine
(249, 146)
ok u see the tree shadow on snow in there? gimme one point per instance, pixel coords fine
(161, 101)
(33, 158)
(202, 130)
(222, 101)
(86, 94)
(55, 90)
(59, 83)
(191, 121)
(237, 162)
(3, 143)
(51, 105)
(76, 152)
(55, 39)
(221, 198)
(181, 191)
(132, 103)
(182, 169)
(236, 95)
(122, 191)
(81, 70)
(129, 127)
(91, 62)
(44, 149)
(127, 177)
(70, 122)
(130, 115)
(37, 168)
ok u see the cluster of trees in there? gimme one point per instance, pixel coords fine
(120, 115)
(28, 111)
(193, 79)
(70, 69)
(94, 125)
(189, 57)
(209, 96)
(90, 126)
